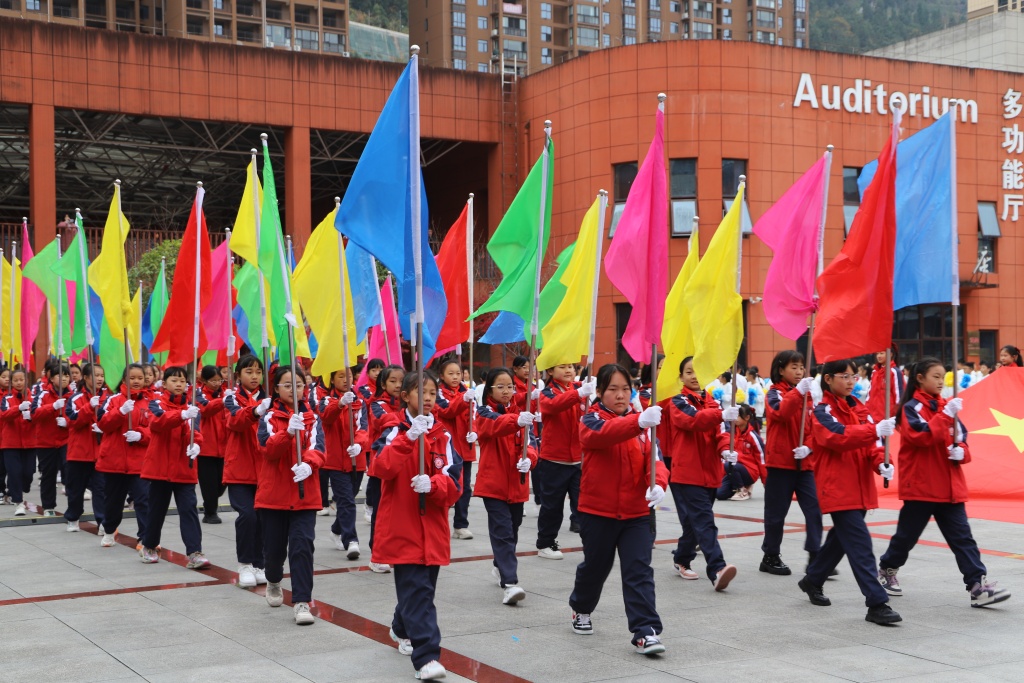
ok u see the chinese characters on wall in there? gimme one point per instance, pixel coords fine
(1013, 167)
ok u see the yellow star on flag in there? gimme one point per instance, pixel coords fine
(1012, 427)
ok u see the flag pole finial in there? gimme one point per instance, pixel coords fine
(58, 237)
(337, 200)
(414, 49)
(830, 148)
(118, 182)
(603, 193)
(24, 219)
(547, 123)
(471, 195)
(199, 183)
(253, 151)
(662, 97)
(264, 137)
(743, 178)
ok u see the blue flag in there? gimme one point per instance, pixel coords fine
(376, 211)
(925, 232)
(242, 325)
(507, 328)
(362, 278)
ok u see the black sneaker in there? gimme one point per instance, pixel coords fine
(648, 645)
(574, 527)
(883, 615)
(773, 564)
(211, 519)
(581, 624)
(815, 593)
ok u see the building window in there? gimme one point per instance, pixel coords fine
(654, 5)
(799, 42)
(302, 15)
(683, 188)
(623, 311)
(851, 196)
(675, 7)
(459, 43)
(732, 169)
(545, 10)
(629, 40)
(459, 64)
(483, 68)
(606, 40)
(585, 14)
(545, 34)
(481, 46)
(307, 40)
(654, 25)
(194, 27)
(426, 24)
(334, 42)
(218, 28)
(588, 37)
(703, 31)
(988, 236)
(32, 5)
(926, 330)
(987, 344)
(481, 23)
(800, 25)
(513, 26)
(624, 175)
(703, 10)
(766, 37)
(725, 16)
(673, 27)
(546, 56)
(606, 18)
(459, 19)
(143, 12)
(481, 3)
(629, 21)
(725, 34)
(800, 6)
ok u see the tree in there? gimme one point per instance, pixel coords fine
(148, 268)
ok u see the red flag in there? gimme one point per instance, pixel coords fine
(855, 315)
(177, 334)
(453, 263)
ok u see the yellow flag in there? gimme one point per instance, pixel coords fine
(316, 285)
(108, 274)
(716, 308)
(676, 333)
(135, 327)
(567, 334)
(10, 326)
(243, 236)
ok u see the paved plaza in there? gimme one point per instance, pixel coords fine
(73, 611)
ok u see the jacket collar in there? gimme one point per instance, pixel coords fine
(936, 403)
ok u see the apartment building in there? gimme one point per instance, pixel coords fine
(529, 35)
(315, 26)
(983, 8)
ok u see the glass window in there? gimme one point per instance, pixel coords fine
(459, 64)
(655, 25)
(32, 5)
(988, 223)
(459, 43)
(545, 34)
(546, 56)
(629, 21)
(703, 31)
(683, 178)
(481, 3)
(481, 23)
(851, 195)
(683, 211)
(588, 37)
(481, 46)
(629, 40)
(307, 40)
(673, 27)
(606, 18)
(545, 10)
(624, 175)
(606, 40)
(732, 169)
(848, 213)
(746, 225)
(988, 237)
(459, 19)
(483, 68)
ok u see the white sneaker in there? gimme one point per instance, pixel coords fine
(513, 594)
(88, 495)
(463, 534)
(353, 551)
(337, 541)
(379, 567)
(323, 512)
(246, 576)
(72, 526)
(275, 596)
(551, 553)
(303, 617)
(404, 644)
(108, 540)
(63, 490)
(20, 510)
(261, 576)
(431, 671)
(59, 477)
(496, 575)
(367, 513)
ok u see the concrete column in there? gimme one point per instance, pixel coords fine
(298, 197)
(42, 188)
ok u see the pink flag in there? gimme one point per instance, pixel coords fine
(792, 230)
(376, 347)
(217, 314)
(32, 301)
(637, 260)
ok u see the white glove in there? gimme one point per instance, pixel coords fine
(62, 422)
(730, 414)
(296, 425)
(192, 451)
(94, 401)
(421, 483)
(301, 471)
(96, 428)
(421, 424)
(651, 417)
(655, 496)
(263, 407)
(73, 387)
(26, 415)
(956, 453)
(227, 392)
(540, 384)
(131, 436)
(535, 395)
(469, 395)
(290, 317)
(588, 389)
(885, 428)
(635, 405)
(523, 465)
(59, 403)
(804, 385)
(730, 457)
(127, 407)
(25, 406)
(347, 399)
(190, 413)
(886, 471)
(354, 450)
(471, 437)
(159, 384)
(953, 406)
(801, 452)
(526, 419)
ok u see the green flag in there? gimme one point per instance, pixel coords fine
(154, 315)
(514, 243)
(553, 293)
(40, 270)
(73, 267)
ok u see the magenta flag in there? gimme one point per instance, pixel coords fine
(32, 302)
(216, 316)
(792, 229)
(637, 260)
(376, 348)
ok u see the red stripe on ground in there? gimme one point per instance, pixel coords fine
(936, 544)
(112, 591)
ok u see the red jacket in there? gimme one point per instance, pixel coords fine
(846, 454)
(749, 450)
(166, 458)
(366, 391)
(116, 455)
(562, 409)
(926, 433)
(44, 417)
(335, 418)
(695, 418)
(276, 490)
(519, 398)
(83, 441)
(241, 448)
(616, 465)
(453, 412)
(403, 535)
(377, 410)
(18, 432)
(876, 392)
(501, 447)
(782, 410)
(644, 396)
(213, 419)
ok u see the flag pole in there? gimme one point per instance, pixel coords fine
(814, 311)
(888, 404)
(196, 311)
(82, 259)
(602, 213)
(9, 361)
(342, 271)
(61, 294)
(653, 438)
(291, 349)
(13, 310)
(417, 238)
(954, 238)
(380, 307)
(739, 281)
(264, 338)
(124, 329)
(231, 337)
(534, 321)
(471, 275)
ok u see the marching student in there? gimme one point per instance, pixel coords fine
(521, 377)
(645, 382)
(289, 522)
(245, 405)
(19, 454)
(452, 408)
(386, 403)
(210, 463)
(614, 509)
(122, 450)
(847, 456)
(411, 538)
(51, 430)
(152, 376)
(373, 369)
(562, 404)
(696, 476)
(169, 467)
(501, 480)
(876, 392)
(789, 472)
(345, 459)
(1010, 355)
(83, 436)
(932, 483)
(745, 464)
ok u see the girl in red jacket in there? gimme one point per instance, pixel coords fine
(789, 470)
(696, 476)
(454, 405)
(386, 403)
(876, 391)
(169, 466)
(18, 452)
(502, 479)
(124, 421)
(244, 406)
(933, 450)
(614, 509)
(210, 463)
(411, 538)
(847, 456)
(82, 447)
(289, 520)
(5, 386)
(51, 430)
(744, 464)
(373, 369)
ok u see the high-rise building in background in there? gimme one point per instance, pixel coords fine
(981, 8)
(529, 35)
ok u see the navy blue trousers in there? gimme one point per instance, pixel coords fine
(160, 493)
(373, 500)
(503, 521)
(952, 521)
(117, 487)
(50, 461)
(633, 540)
(21, 465)
(698, 527)
(80, 476)
(344, 486)
(289, 534)
(461, 520)
(415, 615)
(556, 482)
(779, 488)
(849, 536)
(735, 477)
(248, 527)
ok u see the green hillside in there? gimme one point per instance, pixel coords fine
(858, 26)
